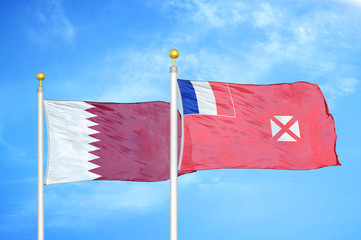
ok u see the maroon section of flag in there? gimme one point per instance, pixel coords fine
(133, 141)
(282, 126)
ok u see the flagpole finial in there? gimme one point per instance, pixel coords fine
(40, 76)
(173, 54)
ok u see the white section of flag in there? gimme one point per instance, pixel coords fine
(295, 128)
(284, 119)
(285, 136)
(205, 98)
(275, 128)
(69, 142)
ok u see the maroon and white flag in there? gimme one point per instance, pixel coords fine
(108, 141)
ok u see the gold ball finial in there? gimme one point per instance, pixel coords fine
(173, 54)
(40, 76)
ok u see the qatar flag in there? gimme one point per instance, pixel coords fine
(281, 126)
(108, 141)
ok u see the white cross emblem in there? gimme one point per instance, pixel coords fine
(285, 128)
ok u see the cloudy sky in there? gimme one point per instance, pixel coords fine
(117, 51)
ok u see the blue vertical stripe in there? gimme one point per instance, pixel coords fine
(189, 98)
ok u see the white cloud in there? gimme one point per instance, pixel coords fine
(13, 150)
(125, 75)
(52, 24)
(306, 41)
(211, 13)
(312, 42)
(338, 87)
(15, 218)
(231, 196)
(268, 16)
(353, 2)
(344, 86)
(218, 15)
(188, 179)
(130, 75)
(83, 204)
(86, 204)
(347, 85)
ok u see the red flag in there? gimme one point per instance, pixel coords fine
(282, 126)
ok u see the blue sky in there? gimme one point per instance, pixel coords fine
(117, 51)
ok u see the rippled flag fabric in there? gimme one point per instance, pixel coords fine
(108, 141)
(282, 126)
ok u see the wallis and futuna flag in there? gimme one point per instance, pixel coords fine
(108, 141)
(282, 126)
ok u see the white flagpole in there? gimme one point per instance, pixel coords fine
(173, 148)
(40, 76)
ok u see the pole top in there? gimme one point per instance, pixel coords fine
(40, 76)
(173, 54)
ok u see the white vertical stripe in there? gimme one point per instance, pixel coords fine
(205, 98)
(69, 142)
